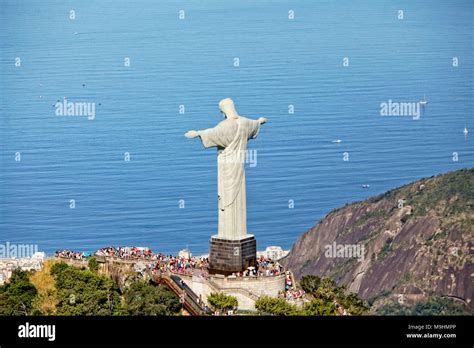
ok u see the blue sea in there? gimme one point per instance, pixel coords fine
(156, 69)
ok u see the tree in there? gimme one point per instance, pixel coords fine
(325, 291)
(310, 283)
(320, 307)
(440, 306)
(276, 306)
(16, 296)
(328, 283)
(93, 264)
(142, 298)
(432, 306)
(353, 304)
(221, 301)
(82, 292)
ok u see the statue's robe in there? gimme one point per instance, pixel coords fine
(230, 137)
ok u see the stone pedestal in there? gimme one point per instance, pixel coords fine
(232, 256)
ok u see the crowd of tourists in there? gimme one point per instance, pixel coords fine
(161, 262)
(183, 265)
(291, 293)
(69, 254)
(294, 294)
(128, 253)
(265, 267)
(180, 264)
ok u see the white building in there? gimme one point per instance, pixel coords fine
(273, 253)
(8, 265)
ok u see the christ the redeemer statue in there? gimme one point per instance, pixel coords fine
(230, 137)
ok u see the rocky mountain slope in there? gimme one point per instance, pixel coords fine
(416, 242)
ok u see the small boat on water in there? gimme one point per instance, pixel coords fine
(365, 186)
(337, 141)
(424, 101)
(465, 131)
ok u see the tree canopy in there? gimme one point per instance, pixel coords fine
(276, 306)
(17, 295)
(326, 294)
(325, 297)
(142, 298)
(83, 292)
(221, 301)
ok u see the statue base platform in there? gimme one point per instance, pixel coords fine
(231, 256)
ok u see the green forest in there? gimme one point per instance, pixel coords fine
(66, 290)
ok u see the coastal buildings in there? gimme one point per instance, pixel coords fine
(8, 265)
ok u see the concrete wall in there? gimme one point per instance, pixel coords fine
(247, 290)
(259, 286)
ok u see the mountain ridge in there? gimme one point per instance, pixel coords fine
(416, 239)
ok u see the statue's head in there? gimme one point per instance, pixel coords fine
(228, 109)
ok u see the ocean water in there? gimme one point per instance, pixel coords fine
(190, 62)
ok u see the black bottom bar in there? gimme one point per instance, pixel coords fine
(243, 331)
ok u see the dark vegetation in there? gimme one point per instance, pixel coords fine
(326, 298)
(81, 291)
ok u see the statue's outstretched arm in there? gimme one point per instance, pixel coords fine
(210, 137)
(191, 134)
